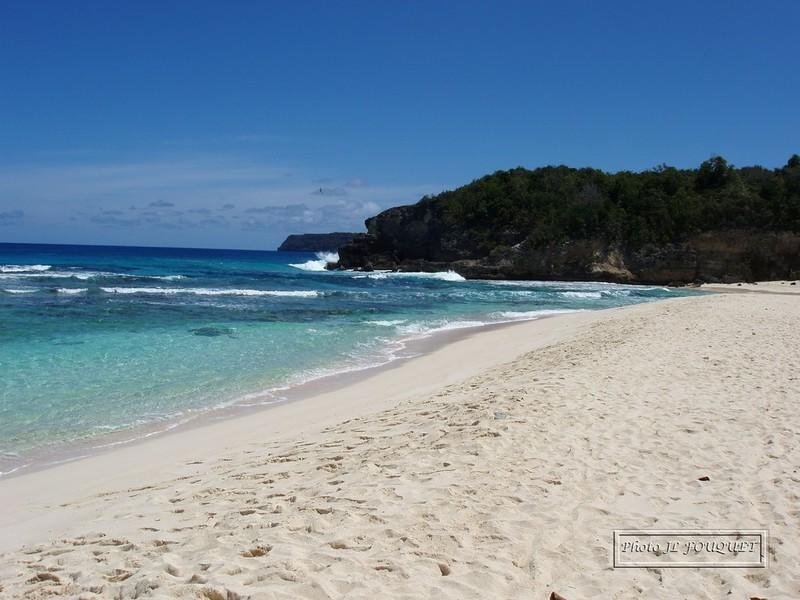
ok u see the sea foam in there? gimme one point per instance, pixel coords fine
(23, 268)
(10, 272)
(212, 292)
(440, 275)
(320, 264)
(529, 315)
(426, 328)
(582, 295)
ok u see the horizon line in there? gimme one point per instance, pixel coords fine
(149, 247)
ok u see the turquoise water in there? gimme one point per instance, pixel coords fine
(95, 340)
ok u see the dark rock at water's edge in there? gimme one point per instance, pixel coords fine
(316, 242)
(667, 226)
(710, 257)
(212, 331)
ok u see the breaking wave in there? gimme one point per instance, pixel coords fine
(211, 292)
(23, 268)
(441, 275)
(320, 264)
(43, 273)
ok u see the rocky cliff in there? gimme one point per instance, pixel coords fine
(660, 227)
(717, 256)
(315, 242)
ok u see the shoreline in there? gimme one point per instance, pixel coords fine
(407, 348)
(503, 461)
(461, 353)
(785, 287)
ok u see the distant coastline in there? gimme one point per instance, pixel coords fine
(316, 242)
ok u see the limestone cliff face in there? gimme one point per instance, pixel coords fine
(417, 238)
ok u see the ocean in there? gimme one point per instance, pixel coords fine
(102, 345)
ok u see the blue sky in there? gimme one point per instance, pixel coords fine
(215, 124)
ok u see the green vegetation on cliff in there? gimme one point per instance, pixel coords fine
(555, 204)
(665, 225)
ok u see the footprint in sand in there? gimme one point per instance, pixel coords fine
(257, 551)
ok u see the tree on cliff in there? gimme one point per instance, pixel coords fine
(553, 204)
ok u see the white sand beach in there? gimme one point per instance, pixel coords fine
(762, 287)
(494, 467)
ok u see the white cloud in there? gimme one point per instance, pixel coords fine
(11, 217)
(217, 196)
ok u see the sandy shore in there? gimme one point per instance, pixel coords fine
(762, 287)
(495, 467)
